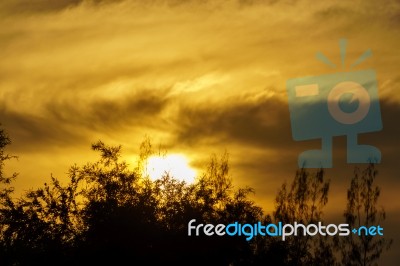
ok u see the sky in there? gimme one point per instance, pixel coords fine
(198, 77)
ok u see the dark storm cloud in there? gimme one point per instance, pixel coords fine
(35, 6)
(59, 123)
(388, 140)
(132, 110)
(334, 12)
(22, 7)
(33, 133)
(367, 13)
(265, 122)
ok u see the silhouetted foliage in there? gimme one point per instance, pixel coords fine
(361, 210)
(109, 213)
(302, 202)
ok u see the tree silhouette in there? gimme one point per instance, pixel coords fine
(361, 210)
(5, 195)
(302, 202)
(109, 213)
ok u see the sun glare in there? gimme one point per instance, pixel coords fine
(175, 164)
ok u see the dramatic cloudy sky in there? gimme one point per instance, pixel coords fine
(198, 77)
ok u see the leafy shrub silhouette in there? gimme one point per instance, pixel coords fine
(109, 214)
(361, 210)
(302, 201)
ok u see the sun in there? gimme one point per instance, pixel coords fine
(175, 164)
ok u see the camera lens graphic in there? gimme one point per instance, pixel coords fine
(359, 93)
